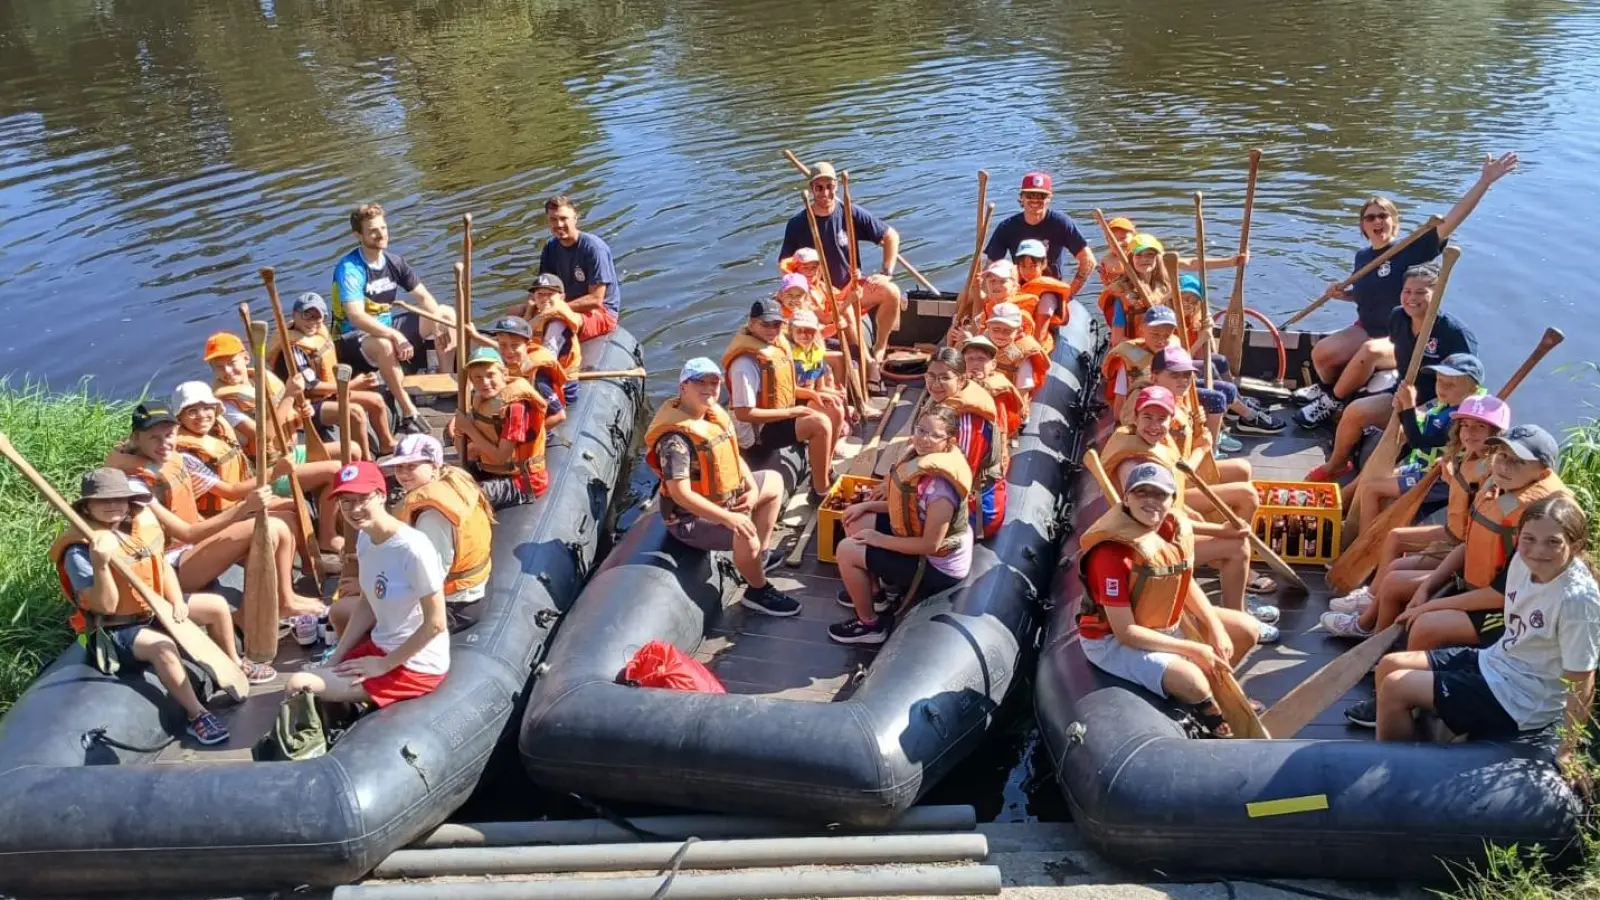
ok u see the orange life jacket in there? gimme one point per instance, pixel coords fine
(1132, 356)
(142, 545)
(1133, 304)
(559, 311)
(1046, 330)
(1008, 401)
(221, 450)
(1126, 444)
(1161, 568)
(458, 498)
(243, 396)
(1189, 417)
(1465, 477)
(775, 363)
(1492, 530)
(316, 351)
(542, 362)
(168, 483)
(528, 457)
(1024, 350)
(974, 400)
(905, 517)
(712, 439)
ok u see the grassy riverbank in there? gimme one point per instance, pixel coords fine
(62, 435)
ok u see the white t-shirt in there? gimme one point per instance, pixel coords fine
(555, 336)
(395, 576)
(1550, 628)
(442, 535)
(744, 386)
(1025, 377)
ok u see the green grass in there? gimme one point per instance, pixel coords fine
(1580, 469)
(63, 435)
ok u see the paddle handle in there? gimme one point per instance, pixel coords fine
(1091, 461)
(852, 375)
(612, 373)
(1551, 339)
(473, 333)
(1432, 223)
(855, 271)
(968, 287)
(461, 355)
(801, 167)
(1256, 543)
(341, 378)
(912, 270)
(1121, 253)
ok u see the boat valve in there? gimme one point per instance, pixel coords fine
(1075, 733)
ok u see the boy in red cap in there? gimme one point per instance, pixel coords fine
(397, 643)
(1055, 229)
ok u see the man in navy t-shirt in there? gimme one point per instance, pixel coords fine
(879, 295)
(583, 263)
(1038, 222)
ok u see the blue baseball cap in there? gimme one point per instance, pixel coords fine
(698, 368)
(310, 300)
(515, 325)
(1160, 315)
(1189, 283)
(1152, 475)
(1529, 443)
(1460, 364)
(1031, 247)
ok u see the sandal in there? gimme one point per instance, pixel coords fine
(257, 673)
(1209, 715)
(1261, 584)
(1256, 706)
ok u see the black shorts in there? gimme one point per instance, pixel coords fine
(123, 636)
(326, 432)
(347, 348)
(461, 616)
(1490, 624)
(774, 436)
(897, 571)
(1461, 697)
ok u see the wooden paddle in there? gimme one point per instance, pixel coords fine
(969, 287)
(852, 375)
(462, 386)
(1273, 560)
(1121, 253)
(805, 170)
(1236, 709)
(1357, 563)
(191, 638)
(445, 382)
(341, 377)
(855, 274)
(421, 313)
(293, 359)
(1432, 223)
(1233, 321)
(1200, 240)
(1383, 457)
(310, 558)
(260, 613)
(1169, 259)
(867, 454)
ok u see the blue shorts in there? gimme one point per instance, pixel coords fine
(1410, 476)
(1219, 366)
(1216, 399)
(1462, 697)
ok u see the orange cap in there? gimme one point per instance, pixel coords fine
(1121, 223)
(223, 344)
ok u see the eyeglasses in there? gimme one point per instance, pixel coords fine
(1374, 217)
(921, 432)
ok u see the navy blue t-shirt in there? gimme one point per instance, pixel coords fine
(1057, 230)
(1450, 335)
(835, 238)
(586, 263)
(1378, 294)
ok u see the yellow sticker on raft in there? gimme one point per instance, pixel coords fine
(1286, 806)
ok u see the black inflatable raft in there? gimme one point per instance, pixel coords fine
(1331, 802)
(82, 816)
(808, 729)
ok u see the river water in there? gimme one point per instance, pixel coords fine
(155, 153)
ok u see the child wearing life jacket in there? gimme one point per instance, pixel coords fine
(234, 384)
(917, 541)
(1129, 362)
(807, 264)
(450, 509)
(1409, 553)
(200, 548)
(1137, 563)
(555, 327)
(396, 644)
(1018, 356)
(1109, 267)
(1247, 416)
(513, 336)
(1427, 430)
(998, 285)
(122, 526)
(980, 438)
(505, 432)
(1050, 311)
(315, 359)
(1122, 302)
(978, 355)
(760, 374)
(794, 294)
(813, 379)
(710, 499)
(1540, 672)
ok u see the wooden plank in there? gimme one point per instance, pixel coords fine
(431, 383)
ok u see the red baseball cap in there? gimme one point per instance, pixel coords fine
(360, 477)
(1036, 181)
(1155, 395)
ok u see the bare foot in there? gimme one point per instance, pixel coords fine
(299, 605)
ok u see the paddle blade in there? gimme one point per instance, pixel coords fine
(261, 596)
(1324, 688)
(1358, 561)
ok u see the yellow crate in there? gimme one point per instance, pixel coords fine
(1300, 533)
(830, 530)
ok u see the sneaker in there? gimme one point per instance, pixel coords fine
(412, 425)
(306, 629)
(261, 673)
(1326, 473)
(1308, 394)
(773, 559)
(1227, 443)
(770, 601)
(1364, 714)
(1344, 625)
(1252, 404)
(1258, 422)
(881, 602)
(1267, 634)
(1318, 412)
(1354, 602)
(1264, 613)
(207, 729)
(855, 631)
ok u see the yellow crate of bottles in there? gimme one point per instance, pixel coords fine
(1302, 521)
(830, 516)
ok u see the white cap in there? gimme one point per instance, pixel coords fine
(807, 255)
(804, 318)
(192, 392)
(1005, 268)
(1007, 314)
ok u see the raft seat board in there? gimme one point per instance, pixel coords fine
(793, 658)
(1273, 670)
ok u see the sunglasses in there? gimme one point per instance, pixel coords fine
(1374, 217)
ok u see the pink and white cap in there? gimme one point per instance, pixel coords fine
(794, 280)
(1485, 408)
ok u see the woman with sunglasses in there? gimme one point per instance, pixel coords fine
(1377, 295)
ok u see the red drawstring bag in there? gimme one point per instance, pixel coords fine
(660, 665)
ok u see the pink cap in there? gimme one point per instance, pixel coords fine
(1485, 408)
(1155, 395)
(794, 280)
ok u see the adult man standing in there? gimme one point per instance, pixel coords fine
(879, 296)
(583, 263)
(1039, 222)
(370, 338)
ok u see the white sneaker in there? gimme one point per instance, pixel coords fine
(1267, 634)
(1344, 625)
(1308, 394)
(1318, 411)
(1354, 602)
(1262, 612)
